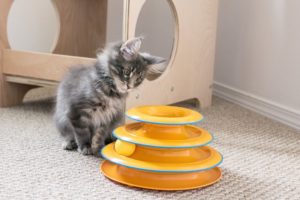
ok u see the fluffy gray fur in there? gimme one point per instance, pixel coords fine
(91, 99)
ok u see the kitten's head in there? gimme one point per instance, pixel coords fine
(129, 67)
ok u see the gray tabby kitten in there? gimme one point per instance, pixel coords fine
(91, 99)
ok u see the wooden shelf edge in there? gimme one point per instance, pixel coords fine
(30, 81)
(42, 66)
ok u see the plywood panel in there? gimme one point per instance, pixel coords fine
(190, 72)
(83, 30)
(4, 10)
(30, 81)
(83, 26)
(10, 93)
(39, 65)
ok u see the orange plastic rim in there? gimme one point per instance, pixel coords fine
(160, 181)
(171, 115)
(166, 160)
(162, 136)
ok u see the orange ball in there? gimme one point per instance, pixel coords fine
(124, 148)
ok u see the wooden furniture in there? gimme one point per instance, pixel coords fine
(188, 75)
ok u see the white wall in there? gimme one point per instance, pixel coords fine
(258, 50)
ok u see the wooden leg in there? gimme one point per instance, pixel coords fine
(193, 103)
(12, 93)
(204, 101)
(196, 103)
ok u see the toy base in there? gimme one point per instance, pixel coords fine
(160, 181)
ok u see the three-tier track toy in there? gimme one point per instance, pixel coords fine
(162, 151)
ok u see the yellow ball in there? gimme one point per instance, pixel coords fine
(124, 148)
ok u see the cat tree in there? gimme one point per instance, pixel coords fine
(188, 75)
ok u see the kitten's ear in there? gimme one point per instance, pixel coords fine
(156, 65)
(129, 49)
(152, 60)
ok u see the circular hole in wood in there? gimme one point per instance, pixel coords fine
(157, 24)
(33, 25)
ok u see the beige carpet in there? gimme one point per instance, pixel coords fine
(261, 159)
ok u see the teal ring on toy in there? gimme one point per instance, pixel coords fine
(163, 171)
(136, 118)
(163, 147)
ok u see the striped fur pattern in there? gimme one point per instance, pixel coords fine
(91, 99)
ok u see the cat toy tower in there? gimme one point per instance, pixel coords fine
(162, 151)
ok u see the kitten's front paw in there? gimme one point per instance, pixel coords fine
(97, 152)
(85, 151)
(69, 145)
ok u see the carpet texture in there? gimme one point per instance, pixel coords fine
(261, 158)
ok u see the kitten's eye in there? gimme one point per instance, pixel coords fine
(126, 72)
